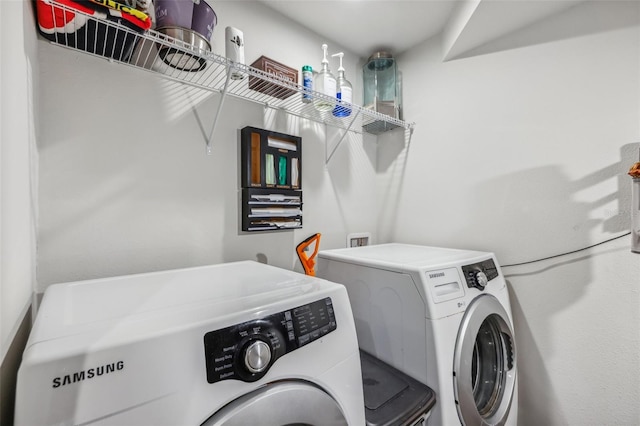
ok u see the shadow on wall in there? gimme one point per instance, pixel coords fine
(538, 207)
(532, 310)
(586, 18)
(340, 168)
(392, 156)
(616, 218)
(532, 197)
(534, 407)
(539, 212)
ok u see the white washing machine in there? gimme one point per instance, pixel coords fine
(440, 315)
(233, 344)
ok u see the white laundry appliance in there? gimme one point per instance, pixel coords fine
(233, 344)
(441, 316)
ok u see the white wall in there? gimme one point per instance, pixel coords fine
(18, 179)
(522, 148)
(126, 185)
(18, 161)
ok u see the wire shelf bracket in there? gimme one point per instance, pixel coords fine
(223, 95)
(344, 134)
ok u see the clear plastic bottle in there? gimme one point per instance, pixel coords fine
(324, 83)
(344, 91)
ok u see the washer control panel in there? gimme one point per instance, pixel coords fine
(246, 351)
(479, 274)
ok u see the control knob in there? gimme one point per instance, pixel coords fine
(481, 280)
(257, 356)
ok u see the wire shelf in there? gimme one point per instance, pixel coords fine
(121, 42)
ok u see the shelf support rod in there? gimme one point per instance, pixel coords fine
(353, 120)
(223, 95)
(408, 134)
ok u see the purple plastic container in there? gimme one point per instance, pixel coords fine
(191, 21)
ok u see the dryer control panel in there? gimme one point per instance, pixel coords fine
(246, 351)
(479, 274)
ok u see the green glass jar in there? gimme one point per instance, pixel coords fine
(382, 89)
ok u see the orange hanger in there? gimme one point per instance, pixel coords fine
(308, 262)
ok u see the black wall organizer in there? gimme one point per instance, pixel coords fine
(271, 167)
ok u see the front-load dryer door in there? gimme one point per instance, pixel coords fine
(281, 403)
(484, 364)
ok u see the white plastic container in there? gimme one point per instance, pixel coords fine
(635, 216)
(634, 172)
(234, 49)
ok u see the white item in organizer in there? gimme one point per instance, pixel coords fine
(278, 143)
(279, 198)
(275, 211)
(295, 174)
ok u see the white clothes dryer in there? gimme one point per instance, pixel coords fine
(233, 344)
(441, 316)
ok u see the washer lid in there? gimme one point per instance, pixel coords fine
(154, 302)
(403, 257)
(281, 403)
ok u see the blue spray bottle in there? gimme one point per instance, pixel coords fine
(344, 91)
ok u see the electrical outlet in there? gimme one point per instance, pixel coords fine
(359, 239)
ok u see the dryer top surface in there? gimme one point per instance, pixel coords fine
(404, 257)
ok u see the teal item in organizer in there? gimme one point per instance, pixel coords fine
(270, 172)
(282, 170)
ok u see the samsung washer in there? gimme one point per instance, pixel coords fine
(232, 344)
(439, 315)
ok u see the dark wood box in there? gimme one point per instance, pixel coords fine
(278, 70)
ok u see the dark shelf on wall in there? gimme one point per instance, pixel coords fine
(271, 179)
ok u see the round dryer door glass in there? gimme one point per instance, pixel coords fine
(484, 363)
(491, 355)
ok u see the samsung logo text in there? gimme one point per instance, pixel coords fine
(91, 373)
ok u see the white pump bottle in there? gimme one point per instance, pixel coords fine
(325, 83)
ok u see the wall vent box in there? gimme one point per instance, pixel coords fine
(279, 71)
(359, 239)
(270, 159)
